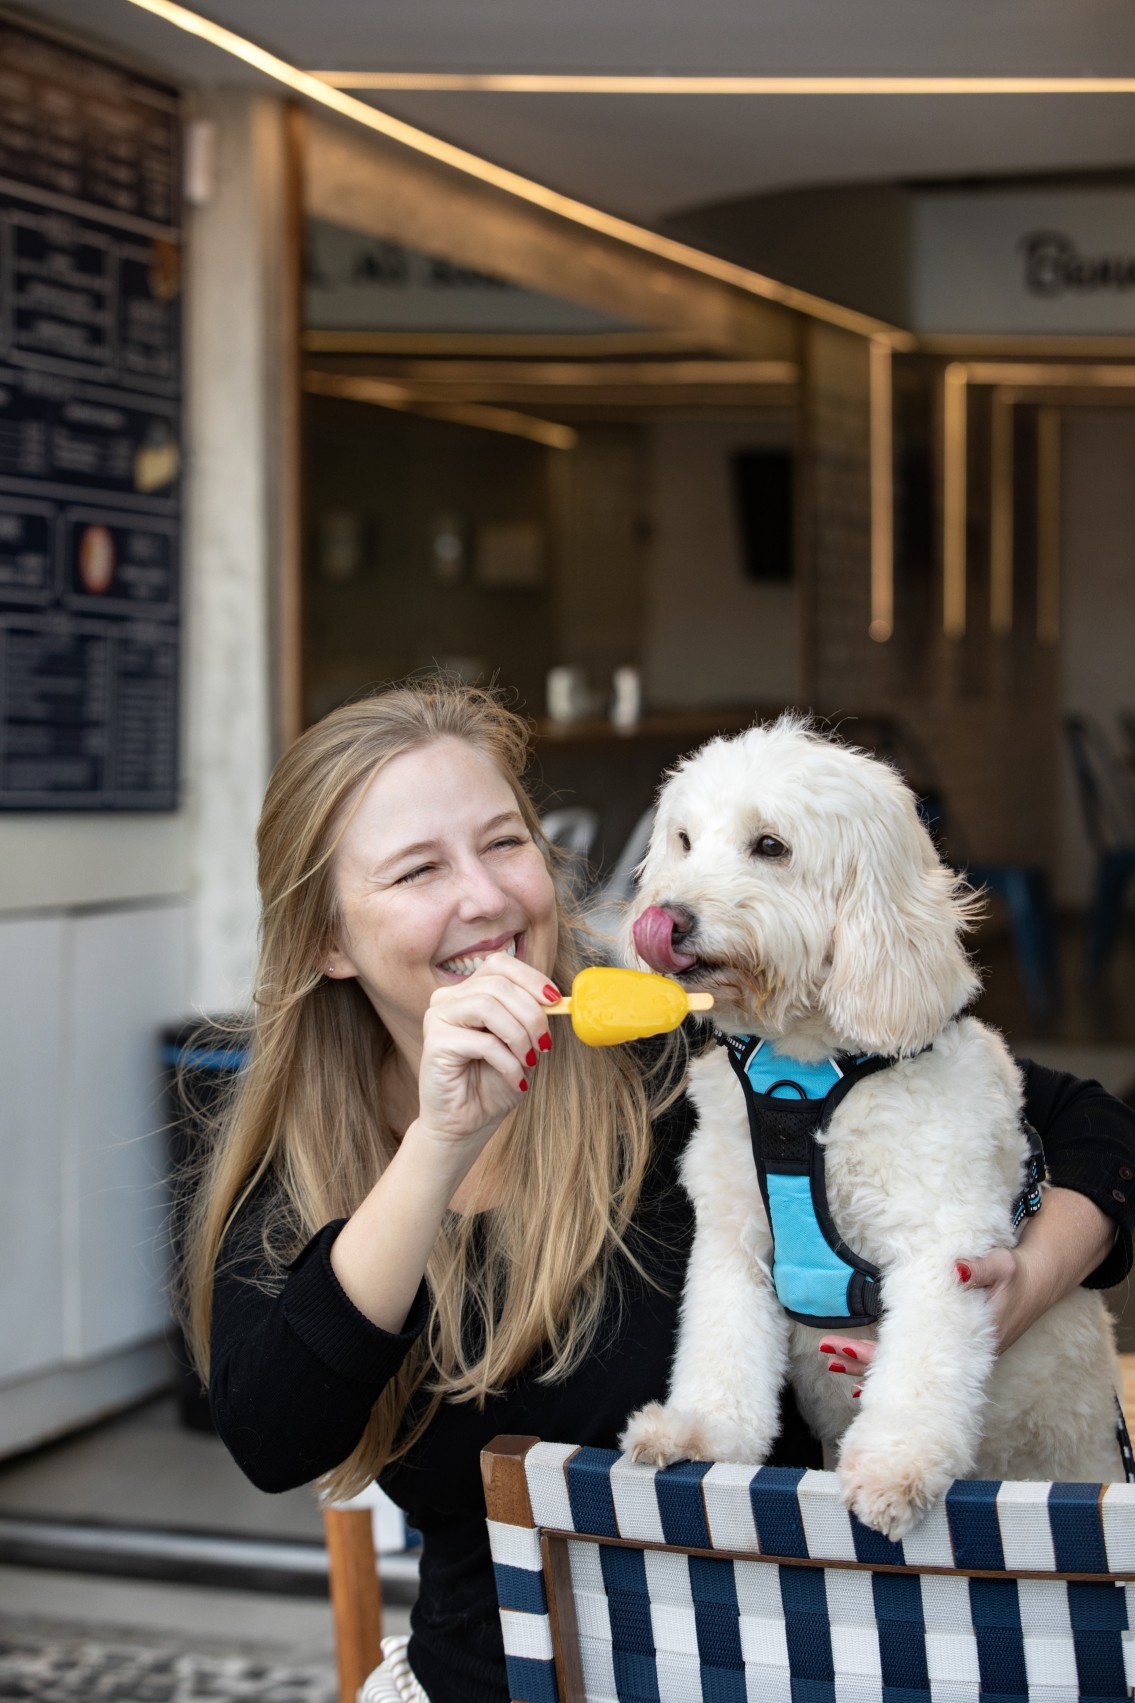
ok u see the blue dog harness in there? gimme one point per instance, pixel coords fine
(818, 1279)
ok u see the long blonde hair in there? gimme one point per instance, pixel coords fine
(568, 1163)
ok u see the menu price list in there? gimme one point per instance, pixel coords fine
(90, 458)
(75, 126)
(80, 296)
(88, 715)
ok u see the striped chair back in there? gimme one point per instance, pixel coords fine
(755, 1585)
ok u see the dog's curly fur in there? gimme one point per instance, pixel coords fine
(850, 940)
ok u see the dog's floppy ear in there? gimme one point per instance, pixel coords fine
(898, 971)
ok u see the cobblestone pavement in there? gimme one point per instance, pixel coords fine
(48, 1668)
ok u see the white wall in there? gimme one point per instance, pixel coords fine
(82, 1213)
(712, 637)
(1097, 617)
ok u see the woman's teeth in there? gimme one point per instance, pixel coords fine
(465, 966)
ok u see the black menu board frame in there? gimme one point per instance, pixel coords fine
(90, 431)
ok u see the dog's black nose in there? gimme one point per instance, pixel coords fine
(684, 922)
(658, 934)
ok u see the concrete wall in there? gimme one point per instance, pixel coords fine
(113, 927)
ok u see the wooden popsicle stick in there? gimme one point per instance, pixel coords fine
(695, 1002)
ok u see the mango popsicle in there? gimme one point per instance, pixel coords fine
(608, 1006)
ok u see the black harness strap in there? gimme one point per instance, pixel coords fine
(784, 1137)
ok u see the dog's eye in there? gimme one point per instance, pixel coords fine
(683, 839)
(767, 845)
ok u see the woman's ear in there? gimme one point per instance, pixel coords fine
(899, 971)
(336, 965)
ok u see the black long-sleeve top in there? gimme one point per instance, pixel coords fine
(297, 1368)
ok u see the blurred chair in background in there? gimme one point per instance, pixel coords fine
(1126, 720)
(1107, 801)
(605, 910)
(1022, 888)
(574, 830)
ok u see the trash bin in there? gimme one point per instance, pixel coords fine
(201, 1059)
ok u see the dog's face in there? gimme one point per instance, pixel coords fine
(791, 877)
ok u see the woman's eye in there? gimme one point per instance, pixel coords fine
(506, 843)
(683, 839)
(412, 874)
(767, 845)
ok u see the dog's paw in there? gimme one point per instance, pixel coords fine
(662, 1435)
(887, 1489)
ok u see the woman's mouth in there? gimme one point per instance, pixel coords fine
(464, 963)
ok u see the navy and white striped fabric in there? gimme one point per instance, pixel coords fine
(660, 1626)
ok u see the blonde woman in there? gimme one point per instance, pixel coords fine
(433, 1216)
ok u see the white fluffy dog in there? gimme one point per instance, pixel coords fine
(791, 876)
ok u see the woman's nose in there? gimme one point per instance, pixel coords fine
(481, 894)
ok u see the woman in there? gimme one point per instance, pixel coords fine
(432, 1218)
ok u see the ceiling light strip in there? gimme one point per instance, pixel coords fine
(882, 495)
(1001, 513)
(404, 399)
(616, 83)
(1085, 376)
(1048, 525)
(954, 408)
(525, 189)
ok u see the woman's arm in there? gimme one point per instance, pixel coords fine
(296, 1371)
(1089, 1148)
(1059, 1247)
(1083, 1234)
(295, 1368)
(481, 1041)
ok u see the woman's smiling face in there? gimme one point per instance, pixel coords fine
(434, 870)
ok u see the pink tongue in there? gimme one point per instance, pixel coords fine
(654, 942)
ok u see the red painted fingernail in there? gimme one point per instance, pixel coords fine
(963, 1271)
(857, 1392)
(849, 1354)
(530, 1057)
(551, 993)
(836, 1367)
(827, 1348)
(545, 1043)
(523, 1086)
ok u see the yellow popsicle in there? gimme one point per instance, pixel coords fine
(609, 1006)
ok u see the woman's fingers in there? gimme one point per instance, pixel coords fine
(997, 1272)
(498, 1002)
(1003, 1277)
(469, 1079)
(986, 1271)
(848, 1356)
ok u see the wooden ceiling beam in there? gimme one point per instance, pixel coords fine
(369, 185)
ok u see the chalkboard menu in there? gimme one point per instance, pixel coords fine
(90, 432)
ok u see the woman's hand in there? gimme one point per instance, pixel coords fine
(481, 1040)
(1059, 1247)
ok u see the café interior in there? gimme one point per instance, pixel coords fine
(850, 437)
